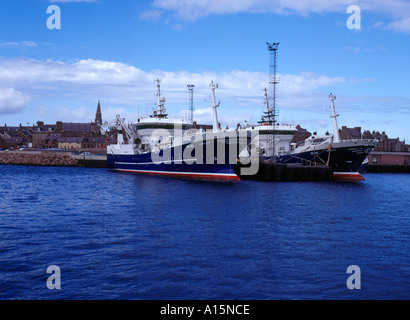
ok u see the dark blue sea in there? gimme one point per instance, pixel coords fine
(124, 236)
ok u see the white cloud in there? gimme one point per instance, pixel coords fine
(402, 25)
(19, 44)
(65, 1)
(151, 15)
(127, 90)
(307, 82)
(42, 110)
(67, 91)
(193, 9)
(22, 71)
(12, 101)
(190, 10)
(57, 75)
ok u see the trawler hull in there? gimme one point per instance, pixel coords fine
(136, 164)
(185, 161)
(345, 158)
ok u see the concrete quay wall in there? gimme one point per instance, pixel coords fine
(48, 158)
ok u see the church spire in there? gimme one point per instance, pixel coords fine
(98, 114)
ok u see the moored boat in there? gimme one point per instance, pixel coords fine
(344, 156)
(172, 147)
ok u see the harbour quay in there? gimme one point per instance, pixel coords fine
(51, 158)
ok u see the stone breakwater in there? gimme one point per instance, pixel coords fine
(38, 159)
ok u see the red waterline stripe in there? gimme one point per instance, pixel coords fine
(350, 176)
(204, 176)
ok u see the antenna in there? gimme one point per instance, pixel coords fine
(336, 137)
(161, 101)
(214, 86)
(191, 103)
(273, 79)
(271, 112)
(158, 80)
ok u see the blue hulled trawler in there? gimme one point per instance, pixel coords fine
(158, 145)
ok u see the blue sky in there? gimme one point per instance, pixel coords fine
(113, 51)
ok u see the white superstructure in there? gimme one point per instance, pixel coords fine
(274, 139)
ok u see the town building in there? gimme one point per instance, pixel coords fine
(388, 151)
(389, 158)
(300, 135)
(40, 133)
(97, 142)
(346, 133)
(14, 136)
(61, 135)
(70, 143)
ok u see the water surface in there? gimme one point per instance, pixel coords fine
(125, 236)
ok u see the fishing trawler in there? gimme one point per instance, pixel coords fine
(344, 156)
(274, 139)
(158, 145)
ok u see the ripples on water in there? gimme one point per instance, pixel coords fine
(124, 236)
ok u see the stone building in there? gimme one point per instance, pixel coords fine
(346, 133)
(389, 158)
(13, 137)
(52, 141)
(68, 135)
(300, 135)
(385, 143)
(97, 142)
(40, 134)
(70, 143)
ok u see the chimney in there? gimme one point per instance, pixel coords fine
(59, 126)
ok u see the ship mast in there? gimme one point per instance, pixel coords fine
(214, 86)
(273, 81)
(191, 103)
(266, 100)
(160, 112)
(271, 112)
(268, 118)
(336, 137)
